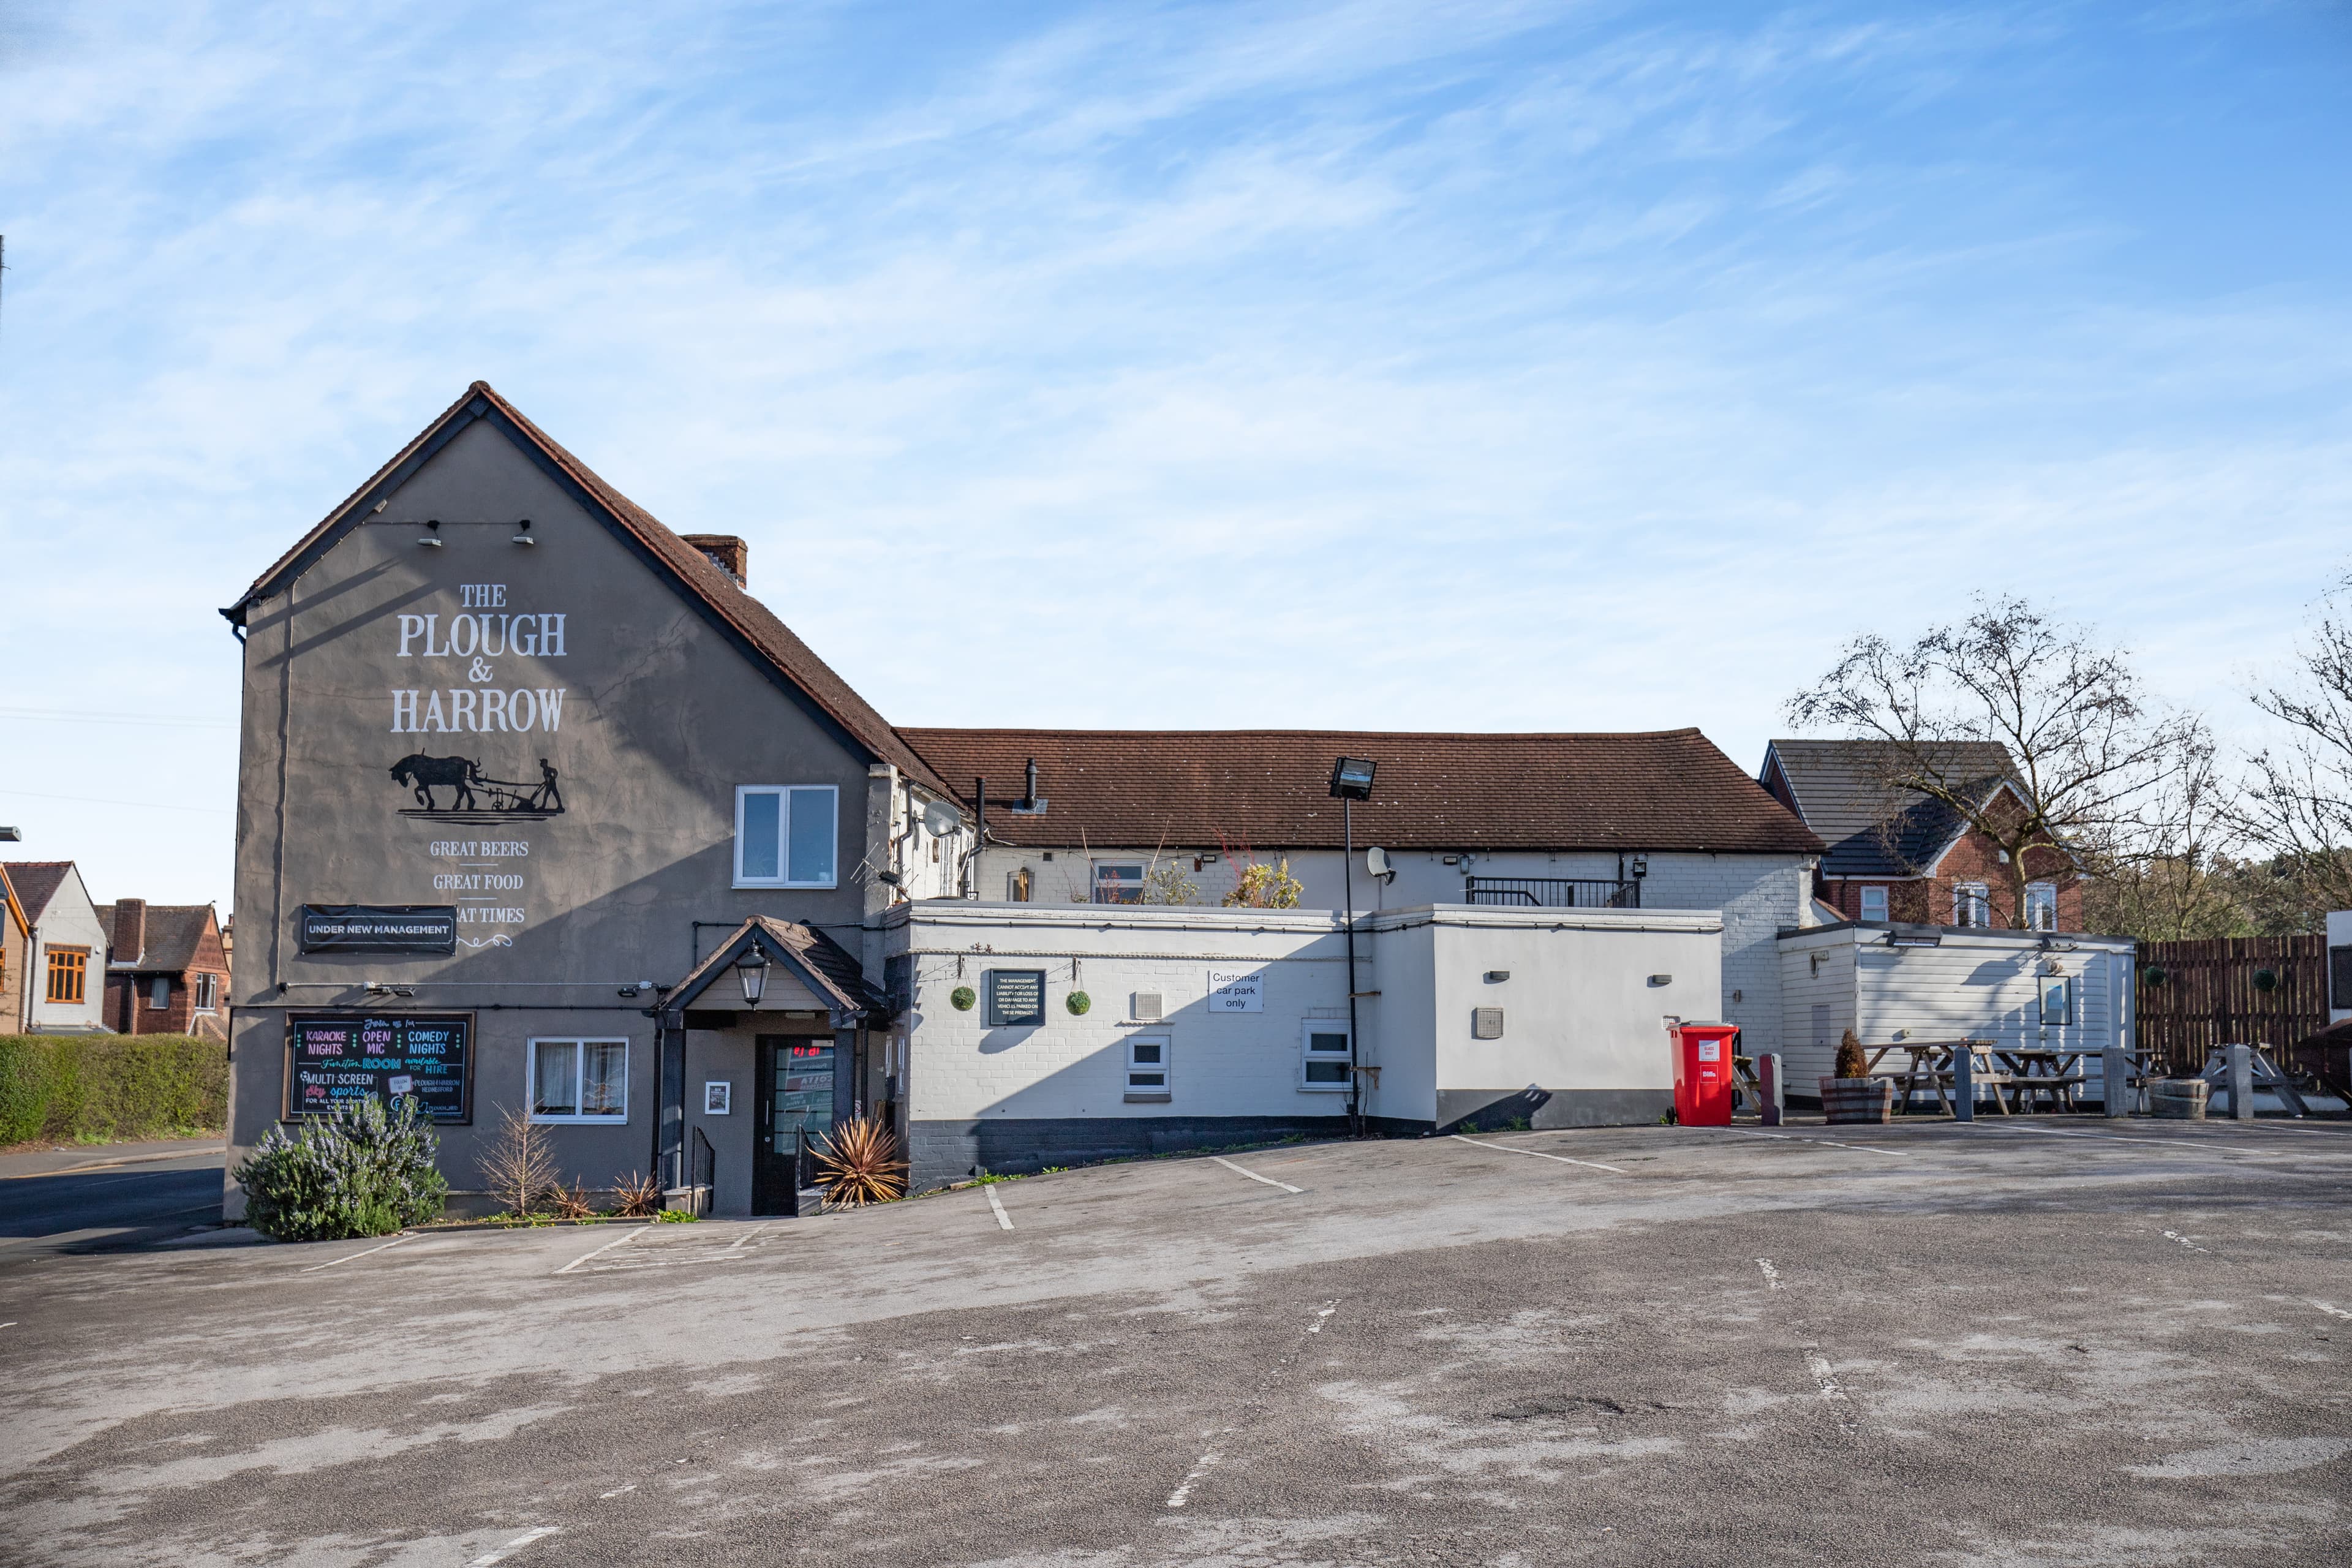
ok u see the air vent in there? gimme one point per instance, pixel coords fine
(1149, 1006)
(1485, 1022)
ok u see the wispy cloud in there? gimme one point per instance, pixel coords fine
(1513, 365)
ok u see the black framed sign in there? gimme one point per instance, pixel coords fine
(333, 1058)
(1015, 996)
(378, 928)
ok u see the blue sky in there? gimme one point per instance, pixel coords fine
(1413, 365)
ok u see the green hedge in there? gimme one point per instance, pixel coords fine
(103, 1089)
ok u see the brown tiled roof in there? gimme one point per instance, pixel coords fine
(754, 621)
(37, 882)
(174, 933)
(1269, 789)
(838, 978)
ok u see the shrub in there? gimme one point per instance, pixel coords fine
(96, 1088)
(859, 1164)
(1264, 887)
(636, 1197)
(364, 1170)
(1851, 1062)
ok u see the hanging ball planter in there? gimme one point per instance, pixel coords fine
(1078, 1003)
(2265, 979)
(962, 997)
(2153, 974)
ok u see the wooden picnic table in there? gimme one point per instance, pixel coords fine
(2037, 1070)
(1932, 1069)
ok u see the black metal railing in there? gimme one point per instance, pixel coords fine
(1555, 892)
(695, 1166)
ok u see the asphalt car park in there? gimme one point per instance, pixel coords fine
(2051, 1341)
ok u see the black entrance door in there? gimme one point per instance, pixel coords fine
(796, 1081)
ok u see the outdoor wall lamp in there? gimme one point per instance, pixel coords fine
(523, 536)
(431, 538)
(752, 969)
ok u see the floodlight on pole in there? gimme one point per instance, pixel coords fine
(1351, 781)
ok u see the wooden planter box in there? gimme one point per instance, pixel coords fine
(1858, 1098)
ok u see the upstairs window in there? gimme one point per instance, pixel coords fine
(1971, 906)
(1118, 882)
(68, 974)
(2041, 906)
(784, 835)
(1874, 903)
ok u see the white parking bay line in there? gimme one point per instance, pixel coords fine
(1539, 1154)
(1253, 1176)
(1825, 1142)
(500, 1553)
(1003, 1219)
(621, 1241)
(347, 1257)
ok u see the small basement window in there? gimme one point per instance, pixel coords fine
(579, 1080)
(1323, 1056)
(1148, 1067)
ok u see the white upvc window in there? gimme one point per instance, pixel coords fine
(1150, 1067)
(1874, 903)
(1970, 906)
(2041, 906)
(207, 992)
(1323, 1056)
(1119, 881)
(579, 1080)
(786, 835)
(2057, 1001)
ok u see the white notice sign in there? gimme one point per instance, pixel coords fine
(1237, 991)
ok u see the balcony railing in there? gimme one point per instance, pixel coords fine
(1555, 892)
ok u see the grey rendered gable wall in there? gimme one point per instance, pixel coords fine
(661, 719)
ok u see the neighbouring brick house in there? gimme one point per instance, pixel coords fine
(1895, 856)
(15, 956)
(166, 970)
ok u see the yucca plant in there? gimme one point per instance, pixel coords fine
(858, 1163)
(637, 1197)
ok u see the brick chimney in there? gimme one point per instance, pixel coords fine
(130, 929)
(726, 552)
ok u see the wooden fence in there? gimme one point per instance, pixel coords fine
(2209, 995)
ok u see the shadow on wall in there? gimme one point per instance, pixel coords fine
(1514, 1112)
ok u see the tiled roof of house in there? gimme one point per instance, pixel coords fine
(37, 882)
(174, 932)
(1269, 789)
(755, 622)
(1874, 830)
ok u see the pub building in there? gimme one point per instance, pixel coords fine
(538, 809)
(540, 812)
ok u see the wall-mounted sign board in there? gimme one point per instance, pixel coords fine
(1237, 991)
(332, 1059)
(378, 928)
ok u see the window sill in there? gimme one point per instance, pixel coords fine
(580, 1121)
(1149, 1096)
(1323, 1087)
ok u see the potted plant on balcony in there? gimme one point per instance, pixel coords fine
(1852, 1094)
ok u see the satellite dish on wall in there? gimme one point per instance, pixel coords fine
(941, 818)
(1376, 861)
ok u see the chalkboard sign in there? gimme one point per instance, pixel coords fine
(378, 928)
(332, 1058)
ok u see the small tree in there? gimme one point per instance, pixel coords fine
(2297, 807)
(1261, 886)
(518, 1167)
(2172, 875)
(2085, 750)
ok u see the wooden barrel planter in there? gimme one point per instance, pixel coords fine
(2178, 1099)
(1858, 1098)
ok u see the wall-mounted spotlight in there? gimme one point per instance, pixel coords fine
(522, 533)
(431, 537)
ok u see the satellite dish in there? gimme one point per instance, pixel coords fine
(1376, 861)
(941, 818)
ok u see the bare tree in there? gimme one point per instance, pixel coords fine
(2088, 753)
(518, 1165)
(2168, 873)
(2299, 799)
